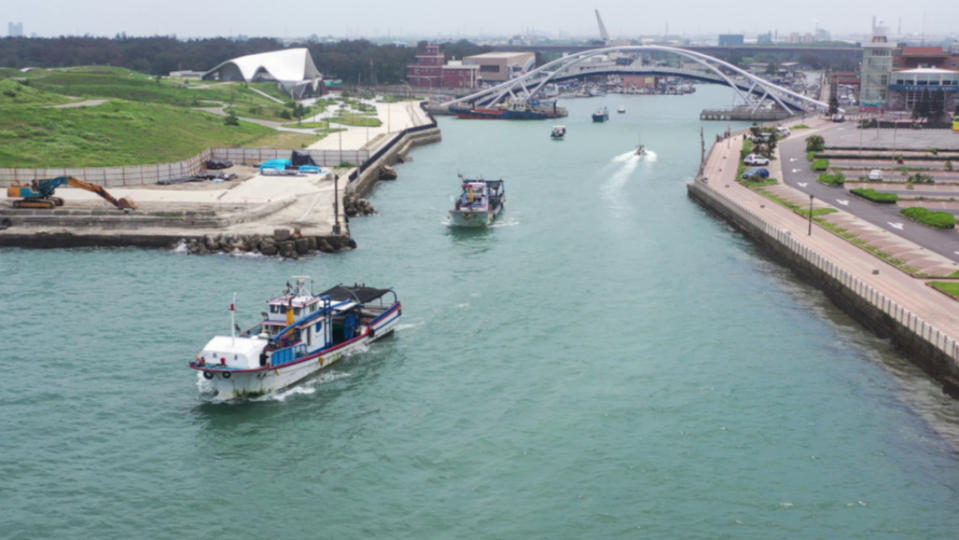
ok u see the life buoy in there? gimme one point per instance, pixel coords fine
(227, 374)
(207, 375)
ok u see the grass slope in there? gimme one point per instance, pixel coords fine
(115, 133)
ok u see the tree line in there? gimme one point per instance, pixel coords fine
(358, 62)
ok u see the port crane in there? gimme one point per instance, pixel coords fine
(40, 193)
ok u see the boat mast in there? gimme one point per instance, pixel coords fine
(233, 320)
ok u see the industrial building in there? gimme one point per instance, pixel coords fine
(292, 68)
(497, 67)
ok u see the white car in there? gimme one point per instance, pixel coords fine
(875, 174)
(783, 132)
(756, 159)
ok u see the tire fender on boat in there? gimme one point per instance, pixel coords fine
(207, 375)
(227, 374)
(372, 332)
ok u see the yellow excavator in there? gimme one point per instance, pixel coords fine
(39, 193)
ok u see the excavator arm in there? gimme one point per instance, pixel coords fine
(122, 203)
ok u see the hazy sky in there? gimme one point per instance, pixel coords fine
(373, 18)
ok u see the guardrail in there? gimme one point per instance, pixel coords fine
(871, 295)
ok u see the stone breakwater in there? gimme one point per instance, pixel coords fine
(283, 243)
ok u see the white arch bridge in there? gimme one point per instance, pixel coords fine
(753, 90)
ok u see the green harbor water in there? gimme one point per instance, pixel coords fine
(608, 361)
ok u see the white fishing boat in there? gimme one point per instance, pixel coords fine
(621, 109)
(479, 203)
(641, 150)
(300, 334)
(558, 132)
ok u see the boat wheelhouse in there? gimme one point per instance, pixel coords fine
(479, 203)
(301, 333)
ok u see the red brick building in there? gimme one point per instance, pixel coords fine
(432, 71)
(427, 72)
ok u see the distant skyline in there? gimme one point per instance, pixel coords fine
(432, 18)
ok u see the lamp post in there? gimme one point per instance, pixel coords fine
(810, 215)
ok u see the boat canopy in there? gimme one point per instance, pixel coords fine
(358, 293)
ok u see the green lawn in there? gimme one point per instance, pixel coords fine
(353, 119)
(115, 133)
(949, 287)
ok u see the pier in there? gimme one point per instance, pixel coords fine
(919, 319)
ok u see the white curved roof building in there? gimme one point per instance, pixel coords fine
(293, 68)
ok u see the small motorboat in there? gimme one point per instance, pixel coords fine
(558, 132)
(479, 203)
(621, 109)
(641, 150)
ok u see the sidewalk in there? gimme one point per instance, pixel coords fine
(912, 293)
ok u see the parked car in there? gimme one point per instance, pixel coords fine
(782, 132)
(756, 159)
(756, 174)
(875, 174)
(838, 117)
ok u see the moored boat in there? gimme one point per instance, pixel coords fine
(514, 110)
(601, 115)
(558, 132)
(301, 333)
(479, 203)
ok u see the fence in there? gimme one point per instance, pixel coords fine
(900, 314)
(135, 175)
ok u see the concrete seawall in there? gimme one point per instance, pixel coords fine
(397, 146)
(924, 342)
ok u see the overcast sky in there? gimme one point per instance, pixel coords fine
(375, 18)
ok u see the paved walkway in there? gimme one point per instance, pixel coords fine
(909, 292)
(395, 117)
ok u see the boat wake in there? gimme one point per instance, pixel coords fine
(623, 167)
(305, 388)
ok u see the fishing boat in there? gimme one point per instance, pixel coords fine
(300, 334)
(479, 203)
(513, 110)
(558, 132)
(601, 115)
(641, 150)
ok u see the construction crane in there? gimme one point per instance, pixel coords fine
(39, 193)
(603, 34)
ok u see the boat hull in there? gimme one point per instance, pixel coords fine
(460, 218)
(226, 384)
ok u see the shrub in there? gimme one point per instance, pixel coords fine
(837, 179)
(811, 155)
(942, 220)
(231, 119)
(820, 165)
(815, 142)
(948, 165)
(920, 178)
(346, 165)
(875, 196)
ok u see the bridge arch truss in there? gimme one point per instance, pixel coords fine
(529, 85)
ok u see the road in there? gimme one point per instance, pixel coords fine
(797, 172)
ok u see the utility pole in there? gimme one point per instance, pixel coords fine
(810, 215)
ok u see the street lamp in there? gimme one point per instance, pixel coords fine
(810, 215)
